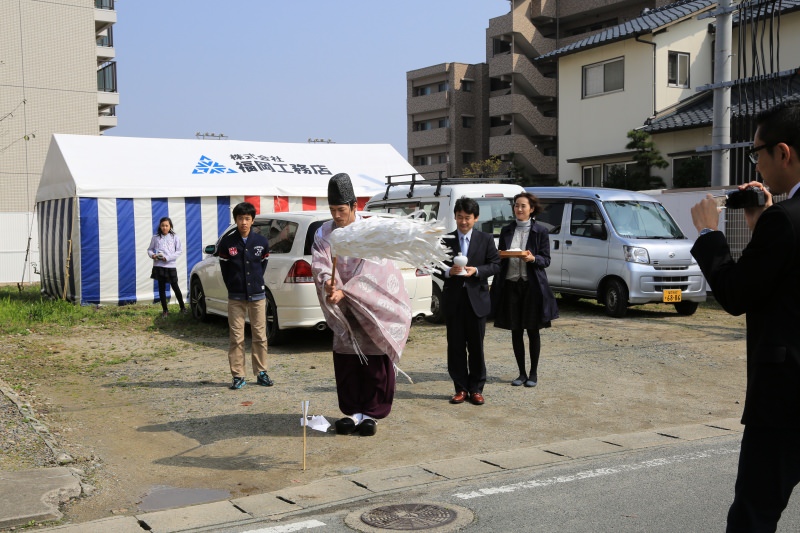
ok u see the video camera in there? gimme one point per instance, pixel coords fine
(741, 198)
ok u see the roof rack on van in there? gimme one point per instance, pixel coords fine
(489, 177)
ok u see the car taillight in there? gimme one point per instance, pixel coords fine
(299, 273)
(419, 273)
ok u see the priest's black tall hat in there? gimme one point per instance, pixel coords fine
(340, 190)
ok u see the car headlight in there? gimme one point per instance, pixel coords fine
(635, 254)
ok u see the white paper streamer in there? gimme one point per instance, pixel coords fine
(407, 239)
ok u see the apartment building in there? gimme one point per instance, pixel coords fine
(506, 107)
(57, 75)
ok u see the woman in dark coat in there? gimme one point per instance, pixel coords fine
(521, 297)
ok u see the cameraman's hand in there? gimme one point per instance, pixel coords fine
(705, 214)
(751, 214)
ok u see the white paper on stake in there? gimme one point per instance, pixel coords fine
(317, 422)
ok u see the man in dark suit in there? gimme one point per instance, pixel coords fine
(765, 284)
(466, 302)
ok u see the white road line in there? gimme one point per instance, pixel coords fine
(599, 472)
(298, 526)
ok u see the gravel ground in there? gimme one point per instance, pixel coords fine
(147, 406)
(21, 446)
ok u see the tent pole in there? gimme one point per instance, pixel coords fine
(66, 269)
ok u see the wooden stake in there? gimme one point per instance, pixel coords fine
(304, 408)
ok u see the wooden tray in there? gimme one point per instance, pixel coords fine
(505, 253)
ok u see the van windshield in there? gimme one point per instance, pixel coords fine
(494, 214)
(642, 220)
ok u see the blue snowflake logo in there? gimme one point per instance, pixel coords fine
(208, 166)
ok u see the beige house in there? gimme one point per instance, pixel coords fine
(645, 74)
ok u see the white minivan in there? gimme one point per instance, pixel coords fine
(435, 199)
(619, 247)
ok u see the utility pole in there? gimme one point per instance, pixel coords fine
(721, 128)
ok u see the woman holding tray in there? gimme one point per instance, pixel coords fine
(521, 297)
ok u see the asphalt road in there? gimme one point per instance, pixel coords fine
(684, 487)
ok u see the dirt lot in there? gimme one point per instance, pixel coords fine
(165, 418)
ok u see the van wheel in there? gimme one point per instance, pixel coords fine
(274, 334)
(437, 317)
(686, 308)
(616, 298)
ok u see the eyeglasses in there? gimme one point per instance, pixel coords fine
(753, 152)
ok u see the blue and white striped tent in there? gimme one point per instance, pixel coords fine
(100, 199)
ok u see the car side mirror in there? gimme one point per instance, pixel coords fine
(598, 231)
(210, 249)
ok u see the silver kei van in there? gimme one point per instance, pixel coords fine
(619, 247)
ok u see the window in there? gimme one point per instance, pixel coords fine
(602, 78)
(280, 233)
(501, 47)
(586, 220)
(107, 78)
(550, 216)
(592, 176)
(423, 125)
(443, 87)
(467, 122)
(617, 168)
(424, 160)
(444, 122)
(466, 86)
(467, 157)
(422, 91)
(678, 69)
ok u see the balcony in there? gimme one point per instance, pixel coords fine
(106, 122)
(104, 14)
(105, 54)
(526, 74)
(526, 38)
(543, 11)
(429, 102)
(527, 153)
(429, 138)
(526, 115)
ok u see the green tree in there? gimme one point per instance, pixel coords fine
(691, 173)
(492, 165)
(637, 177)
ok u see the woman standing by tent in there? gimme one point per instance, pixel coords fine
(165, 247)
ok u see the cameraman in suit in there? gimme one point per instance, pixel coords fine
(465, 298)
(765, 285)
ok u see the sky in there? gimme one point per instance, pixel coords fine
(285, 71)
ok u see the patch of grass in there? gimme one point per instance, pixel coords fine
(27, 311)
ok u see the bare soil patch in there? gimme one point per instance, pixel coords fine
(157, 411)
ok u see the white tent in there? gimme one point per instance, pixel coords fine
(100, 199)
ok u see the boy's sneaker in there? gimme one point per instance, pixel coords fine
(238, 383)
(263, 379)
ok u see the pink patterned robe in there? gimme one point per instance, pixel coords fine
(374, 318)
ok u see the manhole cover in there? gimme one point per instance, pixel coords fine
(431, 517)
(408, 517)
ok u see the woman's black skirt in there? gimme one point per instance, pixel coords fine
(519, 308)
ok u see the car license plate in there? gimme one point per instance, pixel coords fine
(672, 295)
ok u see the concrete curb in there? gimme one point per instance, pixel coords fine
(284, 503)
